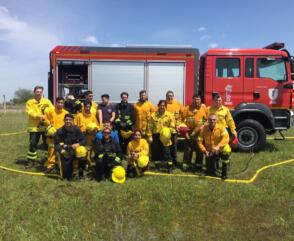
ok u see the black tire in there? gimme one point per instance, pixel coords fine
(251, 136)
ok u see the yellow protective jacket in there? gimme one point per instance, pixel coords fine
(94, 108)
(193, 117)
(224, 117)
(176, 108)
(141, 147)
(35, 110)
(218, 137)
(55, 117)
(157, 122)
(83, 119)
(143, 111)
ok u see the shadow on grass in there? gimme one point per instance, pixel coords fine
(270, 147)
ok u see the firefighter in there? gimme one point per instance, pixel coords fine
(138, 155)
(108, 159)
(35, 108)
(125, 121)
(224, 116)
(176, 108)
(213, 142)
(85, 117)
(160, 128)
(72, 105)
(143, 110)
(88, 124)
(194, 117)
(54, 119)
(114, 133)
(89, 98)
(106, 111)
(69, 144)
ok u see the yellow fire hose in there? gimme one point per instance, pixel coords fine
(12, 133)
(245, 181)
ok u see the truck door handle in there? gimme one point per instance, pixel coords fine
(214, 94)
(256, 95)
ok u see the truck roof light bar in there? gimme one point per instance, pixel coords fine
(275, 46)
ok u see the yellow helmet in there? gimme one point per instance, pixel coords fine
(118, 174)
(226, 149)
(91, 127)
(126, 134)
(165, 136)
(143, 161)
(81, 151)
(50, 132)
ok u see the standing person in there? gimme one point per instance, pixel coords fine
(160, 127)
(89, 98)
(69, 144)
(143, 110)
(224, 117)
(108, 159)
(213, 142)
(35, 108)
(125, 120)
(106, 111)
(175, 107)
(194, 116)
(85, 117)
(54, 119)
(138, 155)
(88, 124)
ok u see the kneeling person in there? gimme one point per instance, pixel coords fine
(213, 142)
(108, 159)
(69, 145)
(138, 154)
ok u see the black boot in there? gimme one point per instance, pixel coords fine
(170, 167)
(225, 171)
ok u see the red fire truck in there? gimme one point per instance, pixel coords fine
(256, 84)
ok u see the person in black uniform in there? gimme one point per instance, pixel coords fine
(124, 121)
(108, 157)
(69, 144)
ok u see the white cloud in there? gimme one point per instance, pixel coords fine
(201, 29)
(25, 50)
(203, 37)
(91, 39)
(213, 45)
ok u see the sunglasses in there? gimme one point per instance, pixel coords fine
(106, 133)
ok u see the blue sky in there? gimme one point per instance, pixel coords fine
(29, 29)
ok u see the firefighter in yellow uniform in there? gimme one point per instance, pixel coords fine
(175, 107)
(160, 127)
(224, 116)
(35, 108)
(89, 98)
(54, 119)
(213, 142)
(143, 110)
(138, 155)
(194, 116)
(85, 121)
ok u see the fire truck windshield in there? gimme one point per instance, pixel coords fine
(273, 68)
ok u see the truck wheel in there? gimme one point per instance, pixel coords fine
(251, 135)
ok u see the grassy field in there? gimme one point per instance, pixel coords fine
(147, 208)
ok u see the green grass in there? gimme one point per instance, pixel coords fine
(147, 208)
